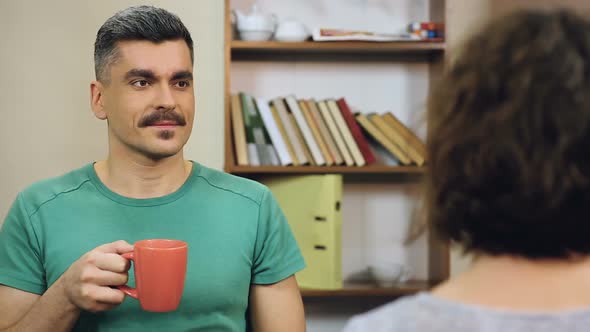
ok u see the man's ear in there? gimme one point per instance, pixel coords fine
(96, 99)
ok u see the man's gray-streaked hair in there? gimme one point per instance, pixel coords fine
(136, 23)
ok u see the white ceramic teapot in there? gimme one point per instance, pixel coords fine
(291, 30)
(256, 25)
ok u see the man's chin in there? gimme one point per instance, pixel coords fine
(162, 152)
(166, 134)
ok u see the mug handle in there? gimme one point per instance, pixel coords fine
(126, 289)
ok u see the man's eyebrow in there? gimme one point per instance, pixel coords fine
(182, 75)
(144, 73)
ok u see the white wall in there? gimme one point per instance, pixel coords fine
(46, 65)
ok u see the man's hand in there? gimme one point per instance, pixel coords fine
(86, 283)
(84, 286)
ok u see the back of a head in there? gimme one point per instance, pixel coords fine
(136, 23)
(510, 129)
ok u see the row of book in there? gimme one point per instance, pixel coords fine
(293, 132)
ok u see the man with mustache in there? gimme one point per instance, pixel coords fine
(61, 243)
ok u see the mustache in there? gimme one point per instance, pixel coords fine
(156, 117)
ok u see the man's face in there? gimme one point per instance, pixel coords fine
(149, 101)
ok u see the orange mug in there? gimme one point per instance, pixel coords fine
(160, 269)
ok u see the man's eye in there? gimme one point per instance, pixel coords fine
(183, 84)
(141, 83)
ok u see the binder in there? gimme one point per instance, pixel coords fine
(311, 204)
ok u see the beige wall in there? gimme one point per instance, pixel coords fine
(46, 127)
(463, 18)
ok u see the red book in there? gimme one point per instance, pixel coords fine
(432, 26)
(356, 132)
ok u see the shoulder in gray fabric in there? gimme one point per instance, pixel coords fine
(424, 312)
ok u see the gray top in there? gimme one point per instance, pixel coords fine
(424, 312)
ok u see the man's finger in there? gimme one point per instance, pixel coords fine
(112, 262)
(117, 247)
(103, 278)
(108, 295)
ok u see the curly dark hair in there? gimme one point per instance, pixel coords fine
(509, 139)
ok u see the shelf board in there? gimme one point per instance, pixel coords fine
(373, 169)
(436, 46)
(370, 290)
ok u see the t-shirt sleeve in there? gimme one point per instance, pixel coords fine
(276, 254)
(21, 265)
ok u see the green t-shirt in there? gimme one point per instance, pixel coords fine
(236, 233)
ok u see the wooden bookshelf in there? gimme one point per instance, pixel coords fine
(373, 169)
(370, 290)
(269, 47)
(343, 53)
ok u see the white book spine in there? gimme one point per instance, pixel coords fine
(273, 132)
(298, 149)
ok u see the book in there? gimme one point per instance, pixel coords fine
(395, 137)
(304, 147)
(316, 132)
(356, 132)
(306, 133)
(325, 34)
(253, 154)
(273, 131)
(312, 206)
(376, 133)
(253, 149)
(325, 112)
(274, 157)
(279, 105)
(256, 132)
(406, 133)
(382, 156)
(239, 133)
(330, 144)
(283, 133)
(357, 156)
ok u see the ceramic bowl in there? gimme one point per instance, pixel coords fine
(388, 274)
(292, 38)
(255, 35)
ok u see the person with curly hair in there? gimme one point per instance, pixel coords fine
(509, 180)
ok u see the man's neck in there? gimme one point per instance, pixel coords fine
(139, 177)
(508, 282)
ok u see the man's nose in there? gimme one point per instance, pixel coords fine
(165, 98)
